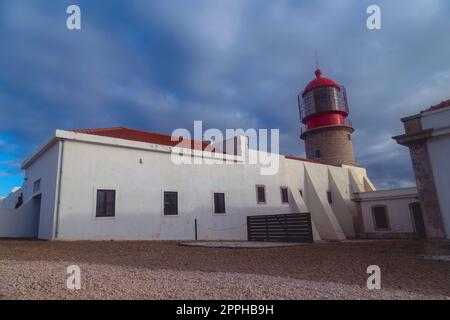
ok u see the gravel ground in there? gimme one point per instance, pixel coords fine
(165, 270)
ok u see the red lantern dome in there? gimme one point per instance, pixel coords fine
(320, 82)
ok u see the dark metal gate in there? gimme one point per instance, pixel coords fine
(294, 227)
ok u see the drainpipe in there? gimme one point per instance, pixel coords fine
(58, 187)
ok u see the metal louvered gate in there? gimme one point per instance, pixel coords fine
(294, 227)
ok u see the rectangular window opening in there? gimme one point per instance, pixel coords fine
(170, 203)
(37, 186)
(329, 197)
(261, 194)
(106, 203)
(284, 195)
(380, 217)
(219, 203)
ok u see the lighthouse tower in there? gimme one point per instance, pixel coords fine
(323, 110)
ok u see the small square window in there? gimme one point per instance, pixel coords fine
(261, 194)
(284, 195)
(106, 203)
(19, 201)
(219, 203)
(170, 203)
(317, 154)
(37, 186)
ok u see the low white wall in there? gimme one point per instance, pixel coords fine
(22, 222)
(397, 202)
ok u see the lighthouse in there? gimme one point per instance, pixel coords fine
(326, 131)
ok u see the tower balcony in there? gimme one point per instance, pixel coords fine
(304, 129)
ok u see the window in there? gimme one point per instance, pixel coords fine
(329, 197)
(284, 195)
(301, 192)
(170, 203)
(219, 203)
(19, 202)
(261, 194)
(317, 154)
(349, 136)
(37, 186)
(380, 217)
(106, 203)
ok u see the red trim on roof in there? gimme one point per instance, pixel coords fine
(143, 136)
(441, 105)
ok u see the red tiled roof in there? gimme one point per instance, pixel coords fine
(441, 105)
(142, 136)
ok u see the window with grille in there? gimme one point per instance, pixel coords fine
(261, 194)
(170, 203)
(219, 203)
(106, 203)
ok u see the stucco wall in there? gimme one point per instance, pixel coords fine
(20, 223)
(439, 154)
(35, 218)
(397, 202)
(46, 169)
(140, 177)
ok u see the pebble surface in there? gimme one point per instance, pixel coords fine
(166, 270)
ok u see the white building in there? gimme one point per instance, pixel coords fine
(394, 213)
(111, 184)
(427, 135)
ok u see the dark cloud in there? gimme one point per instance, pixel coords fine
(160, 65)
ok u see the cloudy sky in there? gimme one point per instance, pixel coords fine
(161, 64)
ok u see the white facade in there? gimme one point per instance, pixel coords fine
(72, 166)
(397, 204)
(439, 152)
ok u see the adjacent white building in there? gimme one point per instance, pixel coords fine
(427, 135)
(394, 213)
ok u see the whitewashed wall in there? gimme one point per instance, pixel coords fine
(139, 187)
(20, 223)
(397, 202)
(140, 172)
(36, 217)
(439, 152)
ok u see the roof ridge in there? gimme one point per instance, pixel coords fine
(165, 135)
(442, 104)
(98, 129)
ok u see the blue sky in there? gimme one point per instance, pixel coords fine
(160, 65)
